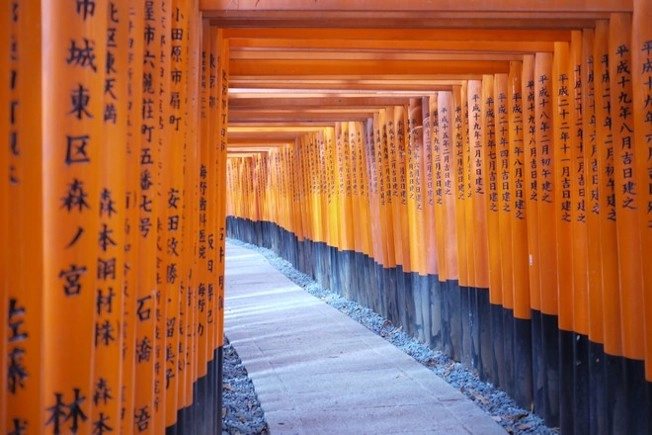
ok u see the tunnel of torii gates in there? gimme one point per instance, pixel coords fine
(480, 173)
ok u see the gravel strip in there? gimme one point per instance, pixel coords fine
(494, 402)
(241, 410)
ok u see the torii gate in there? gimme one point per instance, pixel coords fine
(113, 189)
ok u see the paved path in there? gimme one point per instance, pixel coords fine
(316, 371)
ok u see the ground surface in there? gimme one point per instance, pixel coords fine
(242, 413)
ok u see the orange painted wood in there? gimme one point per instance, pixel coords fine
(504, 189)
(109, 294)
(396, 188)
(492, 174)
(547, 260)
(562, 115)
(579, 210)
(472, 119)
(207, 197)
(377, 244)
(415, 194)
(148, 215)
(478, 184)
(345, 189)
(459, 183)
(332, 194)
(22, 276)
(418, 5)
(518, 167)
(385, 119)
(430, 117)
(384, 45)
(384, 189)
(223, 116)
(5, 88)
(73, 87)
(321, 68)
(641, 82)
(591, 170)
(365, 190)
(609, 245)
(448, 166)
(132, 234)
(627, 201)
(531, 178)
(405, 33)
(192, 59)
(401, 242)
(442, 164)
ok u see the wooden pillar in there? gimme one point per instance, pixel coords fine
(642, 100)
(134, 73)
(109, 313)
(24, 399)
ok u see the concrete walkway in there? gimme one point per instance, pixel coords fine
(316, 371)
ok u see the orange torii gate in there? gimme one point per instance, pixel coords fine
(481, 176)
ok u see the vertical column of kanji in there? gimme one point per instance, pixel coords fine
(504, 191)
(342, 139)
(468, 294)
(205, 229)
(430, 135)
(579, 190)
(384, 174)
(547, 228)
(366, 193)
(581, 360)
(221, 46)
(497, 369)
(415, 137)
(6, 17)
(441, 150)
(163, 146)
(467, 105)
(109, 313)
(562, 120)
(531, 192)
(606, 192)
(21, 282)
(315, 176)
(356, 205)
(563, 114)
(530, 180)
(173, 218)
(370, 169)
(627, 200)
(516, 166)
(146, 265)
(478, 208)
(436, 227)
(135, 21)
(394, 185)
(642, 85)
(402, 216)
(192, 191)
(491, 171)
(331, 192)
(503, 238)
(450, 257)
(597, 410)
(74, 35)
(315, 203)
(458, 179)
(592, 205)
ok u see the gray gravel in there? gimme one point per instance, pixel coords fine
(241, 410)
(493, 401)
